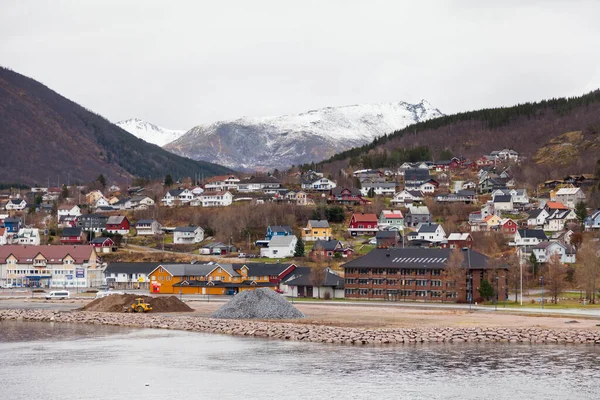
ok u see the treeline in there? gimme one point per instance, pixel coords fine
(490, 118)
(4, 186)
(392, 159)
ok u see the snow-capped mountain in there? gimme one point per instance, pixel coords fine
(276, 142)
(149, 132)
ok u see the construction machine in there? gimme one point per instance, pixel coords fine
(140, 306)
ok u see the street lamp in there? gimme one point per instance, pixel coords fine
(470, 290)
(497, 294)
(542, 280)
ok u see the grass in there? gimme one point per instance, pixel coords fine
(365, 248)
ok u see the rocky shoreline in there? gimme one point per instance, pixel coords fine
(311, 333)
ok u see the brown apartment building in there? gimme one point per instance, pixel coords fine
(398, 274)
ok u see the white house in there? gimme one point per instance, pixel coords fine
(102, 202)
(545, 250)
(570, 196)
(319, 184)
(557, 220)
(280, 247)
(221, 183)
(177, 196)
(145, 227)
(426, 187)
(431, 232)
(214, 199)
(128, 275)
(188, 235)
(16, 205)
(29, 236)
(69, 210)
(407, 196)
(141, 202)
(503, 203)
(537, 217)
(529, 237)
(379, 188)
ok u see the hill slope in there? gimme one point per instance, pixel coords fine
(532, 129)
(43, 135)
(149, 132)
(275, 142)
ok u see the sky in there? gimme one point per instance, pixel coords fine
(179, 64)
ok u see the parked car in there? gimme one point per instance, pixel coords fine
(58, 295)
(242, 255)
(7, 286)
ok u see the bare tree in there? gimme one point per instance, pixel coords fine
(318, 272)
(588, 270)
(555, 276)
(455, 273)
(513, 276)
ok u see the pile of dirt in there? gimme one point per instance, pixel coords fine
(118, 302)
(261, 303)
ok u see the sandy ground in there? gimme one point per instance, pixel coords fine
(398, 317)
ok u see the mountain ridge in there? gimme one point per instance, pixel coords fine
(150, 132)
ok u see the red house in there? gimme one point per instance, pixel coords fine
(328, 249)
(363, 224)
(346, 196)
(458, 240)
(72, 236)
(508, 226)
(118, 224)
(103, 242)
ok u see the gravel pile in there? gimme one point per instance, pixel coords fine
(117, 302)
(261, 303)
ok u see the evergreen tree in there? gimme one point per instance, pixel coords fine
(486, 290)
(371, 193)
(581, 211)
(168, 180)
(64, 192)
(534, 265)
(101, 180)
(299, 251)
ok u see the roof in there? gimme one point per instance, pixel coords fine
(321, 223)
(145, 221)
(115, 219)
(175, 192)
(428, 227)
(418, 258)
(282, 241)
(567, 191)
(331, 279)
(338, 191)
(71, 232)
(364, 217)
(12, 220)
(214, 193)
(556, 205)
(186, 229)
(392, 214)
(544, 245)
(260, 179)
(53, 254)
(387, 234)
(415, 193)
(418, 210)
(325, 245)
(100, 240)
(535, 213)
(533, 233)
(189, 269)
(265, 269)
(503, 199)
(281, 228)
(458, 236)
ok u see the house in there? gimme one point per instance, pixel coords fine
(557, 220)
(529, 237)
(363, 224)
(217, 279)
(570, 196)
(379, 188)
(321, 184)
(389, 238)
(316, 230)
(220, 184)
(188, 235)
(458, 240)
(417, 274)
(503, 203)
(593, 221)
(462, 196)
(348, 196)
(299, 198)
(217, 249)
(92, 222)
(415, 177)
(328, 248)
(489, 223)
(508, 226)
(417, 215)
(3, 236)
(50, 266)
(118, 224)
(303, 286)
(280, 247)
(215, 199)
(103, 244)
(30, 236)
(407, 197)
(429, 186)
(555, 205)
(16, 205)
(146, 227)
(545, 250)
(68, 210)
(93, 196)
(141, 202)
(177, 197)
(537, 217)
(133, 275)
(12, 225)
(277, 230)
(72, 236)
(258, 183)
(391, 220)
(431, 232)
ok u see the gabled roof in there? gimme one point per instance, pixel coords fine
(503, 199)
(418, 210)
(266, 269)
(260, 179)
(331, 280)
(12, 220)
(71, 232)
(533, 233)
(556, 205)
(326, 245)
(411, 257)
(100, 240)
(392, 214)
(364, 217)
(428, 227)
(188, 269)
(145, 221)
(338, 191)
(387, 234)
(282, 241)
(53, 254)
(186, 229)
(175, 192)
(115, 219)
(459, 236)
(535, 213)
(214, 193)
(280, 228)
(567, 191)
(321, 223)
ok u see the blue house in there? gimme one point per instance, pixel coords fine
(593, 221)
(277, 231)
(12, 225)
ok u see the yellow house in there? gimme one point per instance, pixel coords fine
(113, 200)
(493, 221)
(93, 196)
(316, 230)
(216, 279)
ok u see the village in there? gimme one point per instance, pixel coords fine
(448, 231)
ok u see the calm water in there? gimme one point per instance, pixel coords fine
(58, 361)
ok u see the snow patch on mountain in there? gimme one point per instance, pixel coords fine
(276, 142)
(149, 132)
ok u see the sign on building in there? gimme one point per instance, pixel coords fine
(79, 272)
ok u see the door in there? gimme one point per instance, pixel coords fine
(203, 290)
(309, 291)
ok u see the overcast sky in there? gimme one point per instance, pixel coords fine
(179, 64)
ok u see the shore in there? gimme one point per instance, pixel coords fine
(310, 330)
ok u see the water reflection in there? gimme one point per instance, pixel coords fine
(110, 362)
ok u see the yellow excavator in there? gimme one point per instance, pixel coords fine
(139, 306)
